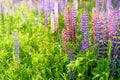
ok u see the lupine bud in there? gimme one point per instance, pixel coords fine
(56, 15)
(72, 33)
(84, 29)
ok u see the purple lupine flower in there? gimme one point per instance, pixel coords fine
(115, 53)
(60, 6)
(100, 39)
(16, 46)
(84, 29)
(71, 74)
(70, 57)
(103, 36)
(102, 4)
(72, 25)
(16, 1)
(97, 4)
(52, 4)
(85, 43)
(117, 4)
(75, 6)
(41, 5)
(108, 5)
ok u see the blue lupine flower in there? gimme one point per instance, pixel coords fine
(84, 29)
(115, 53)
(16, 46)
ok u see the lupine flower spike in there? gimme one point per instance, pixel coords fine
(56, 15)
(115, 53)
(110, 23)
(84, 29)
(52, 22)
(72, 25)
(102, 44)
(16, 46)
(65, 35)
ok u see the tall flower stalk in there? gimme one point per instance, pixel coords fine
(76, 6)
(72, 25)
(68, 33)
(84, 29)
(100, 36)
(115, 53)
(16, 46)
(56, 15)
(94, 20)
(65, 35)
(52, 21)
(110, 23)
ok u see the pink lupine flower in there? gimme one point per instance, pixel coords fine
(115, 52)
(56, 14)
(52, 21)
(65, 38)
(110, 23)
(72, 25)
(66, 17)
(94, 20)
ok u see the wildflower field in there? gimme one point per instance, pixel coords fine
(59, 39)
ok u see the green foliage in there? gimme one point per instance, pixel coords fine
(40, 54)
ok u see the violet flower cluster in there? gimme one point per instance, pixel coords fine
(16, 46)
(115, 53)
(84, 29)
